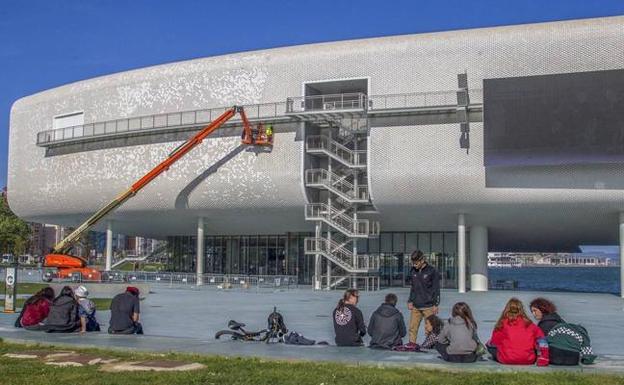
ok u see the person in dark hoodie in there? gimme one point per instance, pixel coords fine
(348, 320)
(424, 295)
(63, 315)
(386, 326)
(545, 312)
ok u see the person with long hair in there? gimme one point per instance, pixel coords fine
(348, 320)
(63, 316)
(36, 309)
(545, 312)
(457, 341)
(515, 336)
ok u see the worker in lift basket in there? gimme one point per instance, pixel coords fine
(269, 133)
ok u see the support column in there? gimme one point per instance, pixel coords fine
(317, 262)
(478, 258)
(199, 263)
(109, 245)
(461, 253)
(622, 254)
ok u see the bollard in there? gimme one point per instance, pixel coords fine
(11, 288)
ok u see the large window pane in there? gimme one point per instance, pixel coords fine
(398, 242)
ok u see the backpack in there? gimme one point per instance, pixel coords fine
(294, 338)
(276, 322)
(572, 337)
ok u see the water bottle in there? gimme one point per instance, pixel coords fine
(544, 354)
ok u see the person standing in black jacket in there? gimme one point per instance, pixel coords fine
(386, 326)
(348, 320)
(424, 294)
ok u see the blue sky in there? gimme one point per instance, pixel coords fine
(49, 43)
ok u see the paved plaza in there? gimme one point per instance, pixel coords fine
(185, 320)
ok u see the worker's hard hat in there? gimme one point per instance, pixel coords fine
(81, 292)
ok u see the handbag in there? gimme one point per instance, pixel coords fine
(481, 350)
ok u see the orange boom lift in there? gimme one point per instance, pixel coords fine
(68, 265)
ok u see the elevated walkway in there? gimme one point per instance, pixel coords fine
(322, 108)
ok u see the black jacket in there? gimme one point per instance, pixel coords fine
(63, 316)
(425, 291)
(386, 327)
(549, 321)
(349, 326)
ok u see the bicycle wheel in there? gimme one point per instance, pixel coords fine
(233, 334)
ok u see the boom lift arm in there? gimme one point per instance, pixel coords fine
(59, 257)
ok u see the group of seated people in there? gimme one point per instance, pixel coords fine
(515, 340)
(73, 311)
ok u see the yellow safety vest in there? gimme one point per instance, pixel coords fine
(269, 130)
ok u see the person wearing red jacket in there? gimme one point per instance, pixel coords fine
(515, 336)
(36, 308)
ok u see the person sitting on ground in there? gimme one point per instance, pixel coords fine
(125, 310)
(348, 320)
(457, 341)
(545, 312)
(433, 328)
(36, 309)
(63, 315)
(560, 352)
(86, 311)
(387, 326)
(514, 338)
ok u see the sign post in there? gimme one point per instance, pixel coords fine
(11, 288)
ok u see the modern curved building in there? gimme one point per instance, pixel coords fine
(456, 143)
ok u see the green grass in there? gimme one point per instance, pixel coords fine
(25, 288)
(150, 266)
(100, 303)
(222, 370)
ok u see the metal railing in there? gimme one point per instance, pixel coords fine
(355, 228)
(339, 185)
(159, 121)
(341, 256)
(422, 99)
(330, 102)
(351, 158)
(172, 279)
(318, 103)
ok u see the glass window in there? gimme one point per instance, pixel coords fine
(398, 242)
(411, 242)
(386, 243)
(424, 242)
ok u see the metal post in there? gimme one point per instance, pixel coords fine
(109, 245)
(200, 252)
(317, 261)
(622, 254)
(10, 288)
(461, 253)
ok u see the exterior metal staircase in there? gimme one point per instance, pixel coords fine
(335, 176)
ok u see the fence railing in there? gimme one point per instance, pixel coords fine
(319, 176)
(333, 102)
(330, 102)
(173, 279)
(150, 122)
(351, 157)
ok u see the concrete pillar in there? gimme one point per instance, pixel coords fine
(622, 254)
(109, 245)
(461, 253)
(317, 262)
(199, 263)
(478, 258)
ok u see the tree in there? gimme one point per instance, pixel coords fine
(14, 232)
